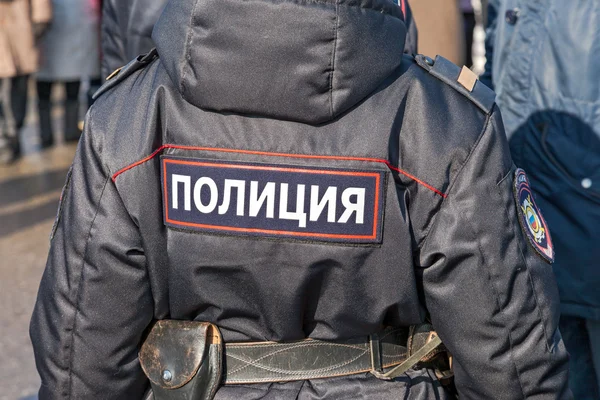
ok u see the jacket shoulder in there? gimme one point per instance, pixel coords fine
(124, 118)
(120, 74)
(462, 80)
(441, 119)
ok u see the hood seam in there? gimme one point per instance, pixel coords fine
(187, 54)
(321, 105)
(335, 39)
(337, 3)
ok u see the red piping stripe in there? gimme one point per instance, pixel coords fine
(266, 153)
(403, 6)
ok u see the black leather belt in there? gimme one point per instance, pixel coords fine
(189, 359)
(256, 362)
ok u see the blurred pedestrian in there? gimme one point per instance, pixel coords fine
(126, 30)
(441, 29)
(543, 62)
(22, 23)
(468, 13)
(70, 52)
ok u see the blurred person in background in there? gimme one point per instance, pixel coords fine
(441, 30)
(22, 23)
(126, 30)
(543, 62)
(468, 13)
(70, 52)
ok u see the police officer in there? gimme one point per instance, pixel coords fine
(282, 171)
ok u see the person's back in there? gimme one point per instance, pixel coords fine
(283, 171)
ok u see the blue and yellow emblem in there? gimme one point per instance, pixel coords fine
(531, 218)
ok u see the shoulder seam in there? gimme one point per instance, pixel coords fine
(473, 148)
(451, 184)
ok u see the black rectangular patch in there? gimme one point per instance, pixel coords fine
(274, 201)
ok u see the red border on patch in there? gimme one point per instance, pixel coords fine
(375, 175)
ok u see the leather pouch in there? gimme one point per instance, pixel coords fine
(183, 360)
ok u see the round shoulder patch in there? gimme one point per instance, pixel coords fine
(530, 218)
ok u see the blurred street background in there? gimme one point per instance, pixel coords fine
(29, 193)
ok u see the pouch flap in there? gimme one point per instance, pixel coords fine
(174, 350)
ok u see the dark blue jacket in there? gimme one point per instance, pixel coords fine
(543, 62)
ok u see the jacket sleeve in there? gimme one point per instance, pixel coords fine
(492, 299)
(94, 300)
(41, 11)
(490, 37)
(113, 47)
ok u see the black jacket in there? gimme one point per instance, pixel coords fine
(284, 171)
(127, 30)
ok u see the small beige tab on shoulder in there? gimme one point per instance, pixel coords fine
(467, 78)
(464, 81)
(114, 73)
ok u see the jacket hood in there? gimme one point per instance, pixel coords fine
(301, 60)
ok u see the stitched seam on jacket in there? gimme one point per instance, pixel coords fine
(499, 309)
(188, 51)
(78, 295)
(433, 224)
(497, 301)
(332, 63)
(110, 173)
(83, 260)
(539, 41)
(337, 3)
(497, 298)
(532, 289)
(149, 102)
